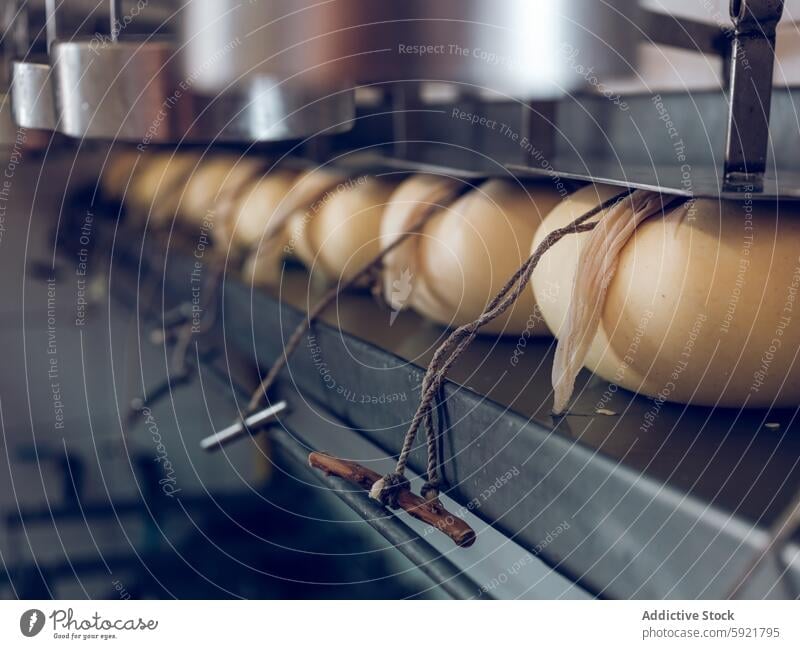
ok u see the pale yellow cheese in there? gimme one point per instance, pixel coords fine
(465, 252)
(276, 215)
(339, 234)
(702, 307)
(206, 196)
(257, 208)
(118, 172)
(157, 185)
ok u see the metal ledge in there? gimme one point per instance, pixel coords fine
(650, 518)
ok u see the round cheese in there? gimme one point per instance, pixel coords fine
(465, 252)
(212, 188)
(339, 233)
(702, 306)
(157, 184)
(118, 172)
(257, 209)
(280, 204)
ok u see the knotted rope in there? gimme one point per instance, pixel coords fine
(426, 207)
(455, 344)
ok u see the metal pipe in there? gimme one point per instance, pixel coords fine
(20, 28)
(114, 17)
(51, 24)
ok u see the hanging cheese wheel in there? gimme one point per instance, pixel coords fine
(339, 233)
(119, 171)
(280, 202)
(465, 252)
(157, 184)
(212, 189)
(262, 267)
(256, 209)
(701, 308)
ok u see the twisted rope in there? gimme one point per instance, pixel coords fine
(329, 298)
(455, 344)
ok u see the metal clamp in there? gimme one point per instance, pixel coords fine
(750, 95)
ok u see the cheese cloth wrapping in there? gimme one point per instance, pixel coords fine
(339, 233)
(702, 308)
(465, 252)
(596, 267)
(266, 214)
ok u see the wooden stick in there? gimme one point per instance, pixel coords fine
(430, 512)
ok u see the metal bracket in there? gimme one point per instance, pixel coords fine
(752, 60)
(33, 101)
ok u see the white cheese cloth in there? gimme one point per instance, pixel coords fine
(596, 267)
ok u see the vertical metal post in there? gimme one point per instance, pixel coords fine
(752, 60)
(7, 45)
(115, 17)
(51, 24)
(20, 29)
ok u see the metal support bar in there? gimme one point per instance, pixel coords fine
(779, 535)
(752, 60)
(405, 99)
(115, 18)
(51, 24)
(684, 33)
